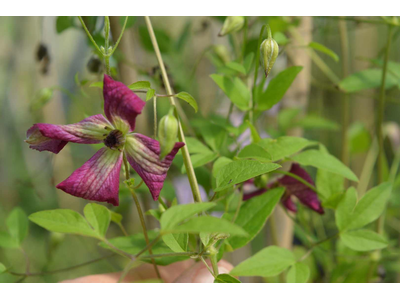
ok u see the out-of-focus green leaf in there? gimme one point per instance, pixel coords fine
(284, 146)
(287, 118)
(325, 161)
(234, 89)
(41, 98)
(98, 84)
(2, 268)
(64, 221)
(189, 99)
(248, 61)
(277, 88)
(226, 278)
(131, 21)
(254, 214)
(233, 65)
(163, 39)
(17, 224)
(63, 23)
(7, 241)
(176, 214)
(150, 94)
(317, 122)
(116, 217)
(359, 138)
(200, 159)
(353, 216)
(241, 170)
(280, 38)
(195, 146)
(298, 273)
(363, 240)
(270, 261)
(208, 224)
(256, 152)
(366, 79)
(98, 216)
(323, 49)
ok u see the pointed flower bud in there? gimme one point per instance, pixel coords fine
(232, 24)
(269, 52)
(167, 133)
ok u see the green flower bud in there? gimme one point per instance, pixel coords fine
(232, 24)
(222, 52)
(261, 181)
(269, 52)
(167, 133)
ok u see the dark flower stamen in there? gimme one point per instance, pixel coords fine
(114, 139)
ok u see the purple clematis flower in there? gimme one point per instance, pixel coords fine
(293, 188)
(98, 178)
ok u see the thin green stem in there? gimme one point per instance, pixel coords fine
(120, 37)
(207, 266)
(185, 152)
(89, 35)
(345, 97)
(140, 212)
(155, 116)
(214, 263)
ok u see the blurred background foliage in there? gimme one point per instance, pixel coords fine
(47, 71)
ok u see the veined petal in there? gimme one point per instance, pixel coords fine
(121, 105)
(53, 138)
(97, 179)
(143, 155)
(289, 204)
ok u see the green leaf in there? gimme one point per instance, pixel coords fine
(64, 23)
(325, 161)
(219, 164)
(241, 170)
(366, 79)
(116, 217)
(254, 214)
(284, 146)
(255, 137)
(280, 38)
(189, 99)
(287, 118)
(317, 122)
(155, 213)
(298, 273)
(64, 221)
(138, 85)
(2, 268)
(256, 152)
(363, 240)
(359, 138)
(233, 65)
(226, 278)
(98, 84)
(207, 224)
(277, 88)
(330, 186)
(135, 243)
(7, 241)
(270, 261)
(323, 49)
(353, 215)
(178, 242)
(150, 94)
(98, 216)
(248, 61)
(200, 159)
(17, 224)
(177, 214)
(234, 89)
(195, 146)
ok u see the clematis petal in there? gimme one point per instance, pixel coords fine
(143, 155)
(255, 193)
(53, 138)
(305, 194)
(121, 105)
(97, 179)
(289, 204)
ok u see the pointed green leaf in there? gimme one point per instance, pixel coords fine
(325, 161)
(208, 224)
(254, 214)
(366, 79)
(298, 273)
(98, 216)
(150, 94)
(139, 85)
(270, 261)
(7, 241)
(256, 152)
(226, 278)
(64, 221)
(98, 84)
(177, 214)
(351, 215)
(233, 65)
(241, 170)
(189, 99)
(178, 242)
(323, 49)
(363, 240)
(234, 89)
(116, 217)
(277, 88)
(219, 163)
(284, 146)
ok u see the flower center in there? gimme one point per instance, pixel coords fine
(115, 139)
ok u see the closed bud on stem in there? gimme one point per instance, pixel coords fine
(222, 52)
(167, 133)
(231, 24)
(261, 181)
(269, 52)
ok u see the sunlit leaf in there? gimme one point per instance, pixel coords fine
(98, 216)
(298, 273)
(189, 99)
(363, 240)
(323, 49)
